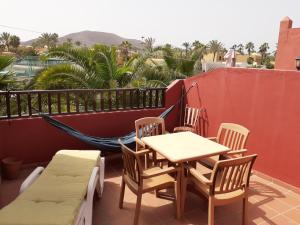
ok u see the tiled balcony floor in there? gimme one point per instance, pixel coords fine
(269, 203)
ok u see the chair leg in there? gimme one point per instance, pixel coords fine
(211, 212)
(122, 193)
(137, 209)
(245, 210)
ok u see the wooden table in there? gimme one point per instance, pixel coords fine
(182, 147)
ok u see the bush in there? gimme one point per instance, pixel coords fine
(250, 60)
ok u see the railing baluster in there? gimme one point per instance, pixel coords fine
(131, 99)
(77, 102)
(40, 102)
(68, 102)
(86, 101)
(49, 103)
(101, 100)
(7, 100)
(144, 98)
(150, 98)
(138, 98)
(19, 105)
(163, 98)
(156, 97)
(124, 99)
(94, 95)
(109, 100)
(58, 103)
(117, 99)
(29, 104)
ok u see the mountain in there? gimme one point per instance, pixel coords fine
(89, 38)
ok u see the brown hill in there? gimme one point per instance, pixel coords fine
(89, 38)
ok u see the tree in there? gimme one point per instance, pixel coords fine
(187, 47)
(263, 50)
(240, 49)
(250, 48)
(149, 43)
(125, 47)
(215, 47)
(6, 78)
(94, 67)
(14, 41)
(5, 39)
(46, 39)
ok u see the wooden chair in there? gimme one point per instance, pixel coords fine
(228, 182)
(233, 136)
(145, 127)
(140, 181)
(191, 117)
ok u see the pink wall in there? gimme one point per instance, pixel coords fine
(288, 46)
(34, 140)
(265, 101)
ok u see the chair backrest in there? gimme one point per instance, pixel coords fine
(191, 116)
(131, 163)
(232, 174)
(233, 136)
(149, 126)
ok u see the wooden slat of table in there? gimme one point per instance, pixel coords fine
(184, 146)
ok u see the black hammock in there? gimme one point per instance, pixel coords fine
(105, 143)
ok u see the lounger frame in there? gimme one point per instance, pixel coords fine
(95, 184)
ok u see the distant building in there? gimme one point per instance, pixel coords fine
(288, 45)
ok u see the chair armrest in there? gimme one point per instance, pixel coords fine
(200, 177)
(31, 178)
(143, 152)
(148, 174)
(140, 142)
(234, 152)
(212, 139)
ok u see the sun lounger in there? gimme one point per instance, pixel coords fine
(60, 194)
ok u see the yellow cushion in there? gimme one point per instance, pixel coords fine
(55, 197)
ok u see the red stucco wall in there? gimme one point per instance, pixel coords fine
(34, 140)
(288, 46)
(267, 103)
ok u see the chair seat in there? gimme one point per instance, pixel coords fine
(153, 182)
(210, 161)
(205, 188)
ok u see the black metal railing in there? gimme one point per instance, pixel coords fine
(16, 104)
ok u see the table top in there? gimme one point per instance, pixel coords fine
(184, 146)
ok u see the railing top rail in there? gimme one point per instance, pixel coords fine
(78, 90)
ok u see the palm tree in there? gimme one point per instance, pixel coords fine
(250, 48)
(263, 50)
(5, 39)
(240, 49)
(187, 46)
(14, 41)
(215, 47)
(87, 68)
(149, 43)
(124, 47)
(6, 78)
(47, 39)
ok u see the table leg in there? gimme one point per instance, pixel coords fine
(178, 192)
(183, 189)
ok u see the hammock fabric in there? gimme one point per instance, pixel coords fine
(101, 143)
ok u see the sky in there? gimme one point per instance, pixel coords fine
(168, 21)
